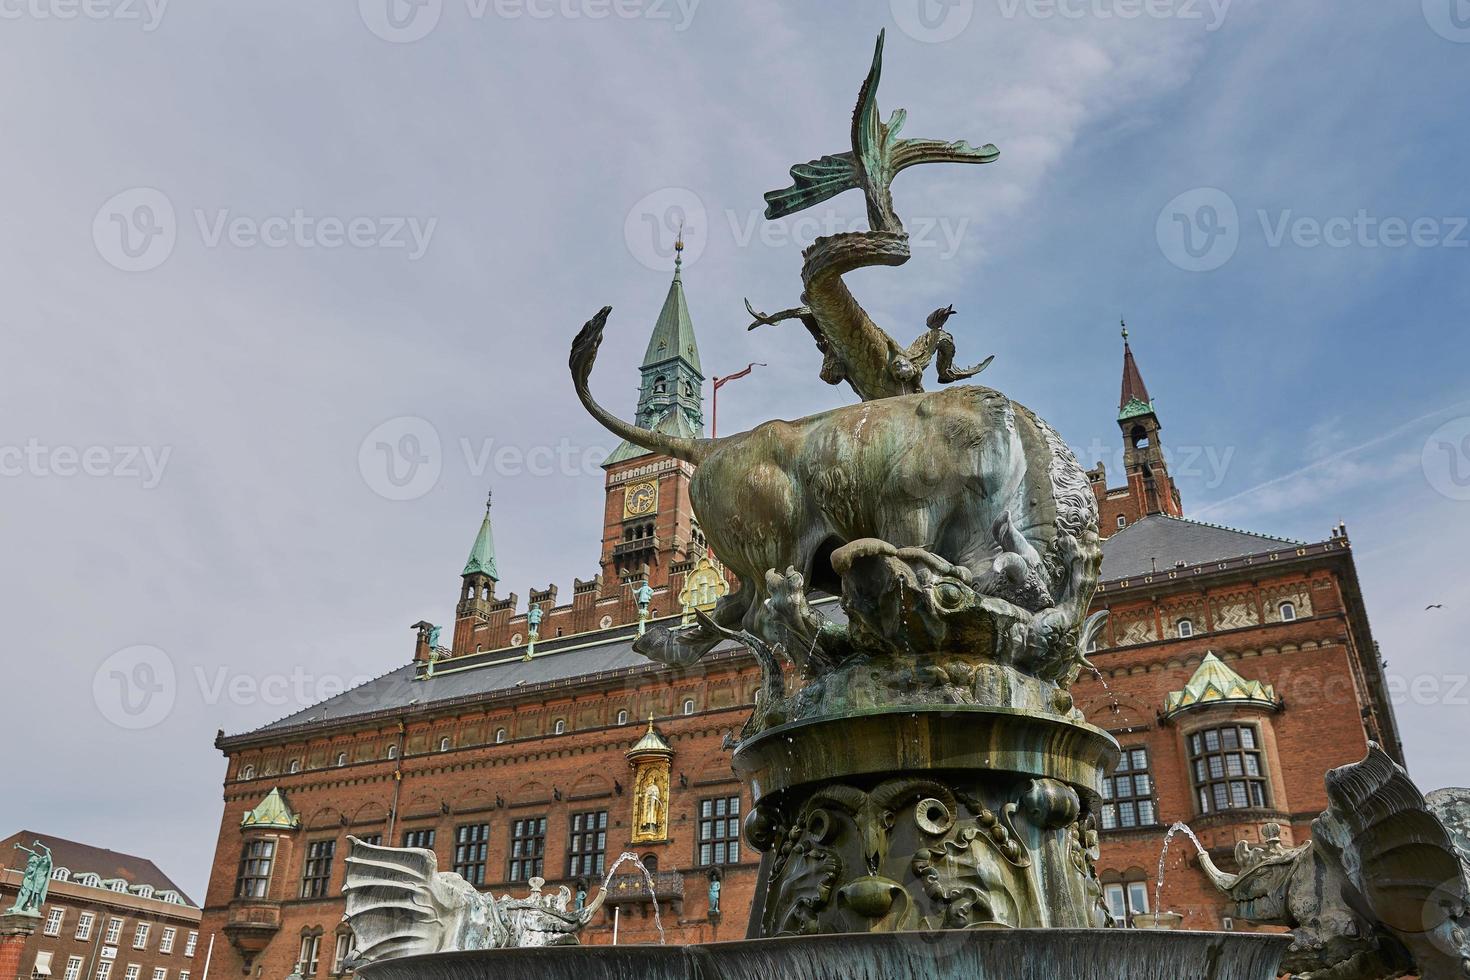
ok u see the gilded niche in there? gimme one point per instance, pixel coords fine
(652, 760)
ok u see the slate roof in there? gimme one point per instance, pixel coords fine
(1127, 553)
(81, 858)
(1158, 541)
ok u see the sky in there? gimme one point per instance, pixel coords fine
(286, 287)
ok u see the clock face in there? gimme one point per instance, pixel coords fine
(640, 499)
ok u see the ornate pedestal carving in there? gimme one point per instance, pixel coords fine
(905, 819)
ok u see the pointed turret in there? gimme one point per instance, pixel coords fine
(1134, 399)
(482, 555)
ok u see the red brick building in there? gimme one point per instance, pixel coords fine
(107, 916)
(516, 756)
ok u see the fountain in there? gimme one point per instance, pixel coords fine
(925, 798)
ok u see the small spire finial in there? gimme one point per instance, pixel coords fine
(679, 250)
(650, 722)
(489, 498)
(1124, 324)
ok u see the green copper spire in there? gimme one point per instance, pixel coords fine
(671, 394)
(482, 555)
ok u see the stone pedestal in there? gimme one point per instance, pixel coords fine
(924, 818)
(15, 929)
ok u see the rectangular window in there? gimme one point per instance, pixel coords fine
(719, 831)
(114, 932)
(374, 839)
(419, 838)
(1229, 770)
(1128, 794)
(160, 973)
(587, 845)
(42, 969)
(73, 968)
(140, 936)
(84, 926)
(104, 970)
(132, 972)
(311, 948)
(55, 915)
(470, 849)
(318, 874)
(339, 957)
(166, 941)
(527, 849)
(254, 877)
(191, 944)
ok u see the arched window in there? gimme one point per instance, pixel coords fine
(295, 765)
(1288, 611)
(650, 861)
(444, 744)
(689, 706)
(499, 735)
(560, 728)
(660, 385)
(1186, 628)
(60, 874)
(392, 751)
(623, 717)
(1122, 521)
(341, 758)
(248, 772)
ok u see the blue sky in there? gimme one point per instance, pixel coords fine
(334, 228)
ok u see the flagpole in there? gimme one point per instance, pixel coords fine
(717, 383)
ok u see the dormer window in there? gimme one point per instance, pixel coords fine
(1186, 628)
(1288, 611)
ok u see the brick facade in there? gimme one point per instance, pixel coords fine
(555, 748)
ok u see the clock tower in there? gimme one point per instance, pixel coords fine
(649, 524)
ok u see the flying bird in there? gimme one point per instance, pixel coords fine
(1436, 605)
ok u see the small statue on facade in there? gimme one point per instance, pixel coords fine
(434, 632)
(533, 618)
(714, 892)
(643, 595)
(37, 880)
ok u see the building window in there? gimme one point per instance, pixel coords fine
(1288, 611)
(470, 849)
(587, 844)
(444, 744)
(248, 772)
(392, 751)
(114, 932)
(191, 944)
(160, 973)
(423, 837)
(255, 869)
(499, 735)
(131, 973)
(42, 969)
(719, 831)
(339, 956)
(295, 766)
(55, 915)
(1186, 628)
(84, 926)
(1126, 900)
(527, 848)
(183, 975)
(1122, 521)
(689, 706)
(311, 948)
(1228, 770)
(60, 874)
(374, 839)
(73, 968)
(318, 874)
(1128, 794)
(560, 728)
(140, 936)
(166, 941)
(341, 758)
(104, 970)
(623, 717)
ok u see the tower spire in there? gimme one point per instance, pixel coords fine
(1133, 399)
(482, 554)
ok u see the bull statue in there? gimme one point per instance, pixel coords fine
(1381, 890)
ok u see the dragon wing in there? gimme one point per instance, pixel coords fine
(398, 904)
(1397, 854)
